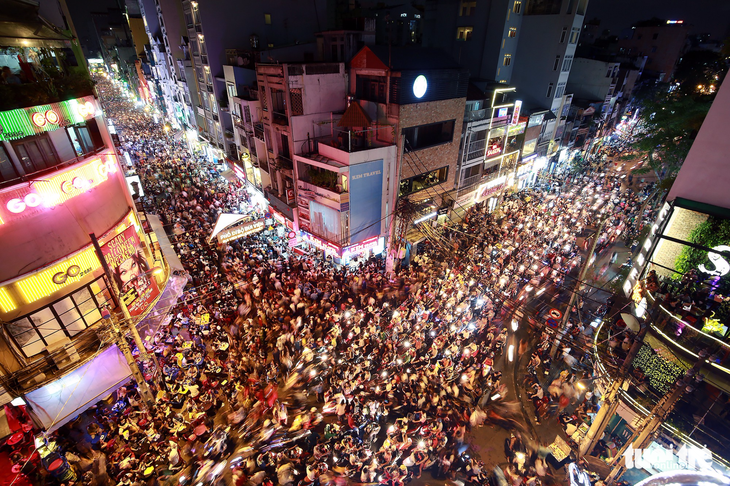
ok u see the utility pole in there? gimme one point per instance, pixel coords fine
(121, 341)
(130, 325)
(649, 424)
(611, 398)
(574, 295)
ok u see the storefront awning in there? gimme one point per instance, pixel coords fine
(60, 401)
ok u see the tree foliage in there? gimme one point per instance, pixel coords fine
(698, 71)
(668, 124)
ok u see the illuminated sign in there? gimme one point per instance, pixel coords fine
(516, 129)
(494, 149)
(26, 122)
(675, 21)
(502, 112)
(323, 245)
(489, 188)
(362, 247)
(55, 190)
(240, 231)
(45, 282)
(516, 113)
(419, 86)
(722, 267)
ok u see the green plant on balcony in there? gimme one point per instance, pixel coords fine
(323, 178)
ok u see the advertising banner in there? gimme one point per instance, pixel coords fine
(240, 231)
(130, 270)
(366, 188)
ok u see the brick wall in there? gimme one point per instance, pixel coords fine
(680, 226)
(433, 157)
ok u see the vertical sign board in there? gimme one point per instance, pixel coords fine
(129, 268)
(366, 188)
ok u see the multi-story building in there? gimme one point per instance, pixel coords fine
(62, 188)
(490, 145)
(550, 32)
(662, 42)
(213, 27)
(420, 95)
(482, 36)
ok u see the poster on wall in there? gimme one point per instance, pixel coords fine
(366, 187)
(130, 271)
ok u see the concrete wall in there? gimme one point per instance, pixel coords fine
(588, 78)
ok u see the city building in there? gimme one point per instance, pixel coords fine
(62, 189)
(481, 36)
(681, 278)
(419, 94)
(661, 41)
(259, 28)
(490, 146)
(545, 54)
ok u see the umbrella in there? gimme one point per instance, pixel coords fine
(630, 321)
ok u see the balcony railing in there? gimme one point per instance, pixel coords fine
(258, 131)
(56, 167)
(469, 182)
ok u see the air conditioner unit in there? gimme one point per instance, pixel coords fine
(64, 355)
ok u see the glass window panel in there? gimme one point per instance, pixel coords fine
(75, 327)
(23, 331)
(92, 317)
(83, 300)
(55, 337)
(47, 150)
(25, 159)
(69, 317)
(33, 348)
(35, 155)
(75, 141)
(7, 171)
(85, 139)
(45, 322)
(63, 306)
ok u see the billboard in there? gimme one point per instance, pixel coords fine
(130, 271)
(366, 188)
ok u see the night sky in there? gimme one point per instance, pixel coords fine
(711, 16)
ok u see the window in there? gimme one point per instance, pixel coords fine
(512, 32)
(35, 154)
(556, 64)
(464, 33)
(371, 88)
(423, 181)
(83, 141)
(653, 49)
(231, 89)
(477, 143)
(507, 59)
(267, 19)
(7, 169)
(208, 77)
(424, 136)
(574, 36)
(563, 34)
(567, 63)
(517, 8)
(549, 90)
(655, 36)
(60, 320)
(560, 90)
(467, 8)
(608, 73)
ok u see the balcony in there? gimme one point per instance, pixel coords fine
(279, 202)
(475, 115)
(466, 184)
(348, 142)
(60, 87)
(258, 131)
(280, 119)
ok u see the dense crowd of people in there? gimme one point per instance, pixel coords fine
(281, 368)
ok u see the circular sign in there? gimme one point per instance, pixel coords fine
(38, 119)
(419, 86)
(291, 235)
(52, 117)
(555, 314)
(552, 323)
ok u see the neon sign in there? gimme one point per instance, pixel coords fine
(323, 245)
(26, 122)
(722, 267)
(60, 188)
(361, 247)
(494, 149)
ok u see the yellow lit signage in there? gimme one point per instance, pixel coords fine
(50, 280)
